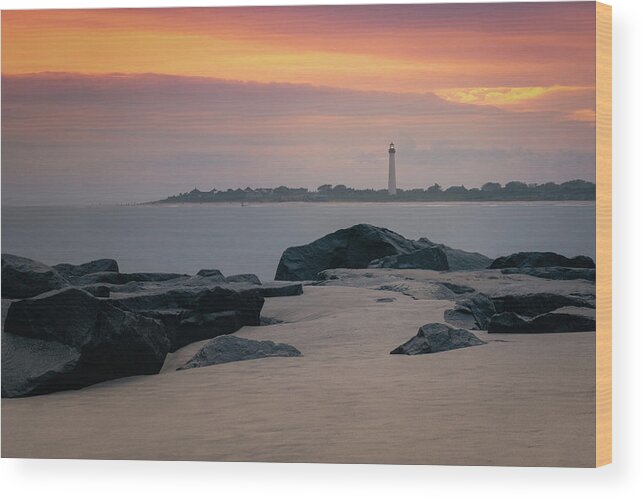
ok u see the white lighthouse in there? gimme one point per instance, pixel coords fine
(392, 188)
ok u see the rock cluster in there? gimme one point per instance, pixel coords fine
(75, 325)
(362, 246)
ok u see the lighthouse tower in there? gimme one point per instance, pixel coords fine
(392, 188)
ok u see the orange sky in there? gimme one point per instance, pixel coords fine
(117, 101)
(388, 48)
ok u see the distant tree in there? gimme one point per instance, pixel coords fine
(491, 187)
(515, 186)
(435, 188)
(456, 189)
(339, 189)
(325, 189)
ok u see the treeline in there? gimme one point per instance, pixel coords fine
(491, 191)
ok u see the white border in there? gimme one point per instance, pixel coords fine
(112, 479)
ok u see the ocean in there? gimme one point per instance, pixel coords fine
(251, 238)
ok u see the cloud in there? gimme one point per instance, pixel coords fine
(124, 138)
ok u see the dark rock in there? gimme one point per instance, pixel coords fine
(459, 259)
(473, 312)
(98, 291)
(554, 273)
(31, 366)
(431, 258)
(560, 321)
(194, 314)
(385, 300)
(103, 265)
(107, 342)
(232, 349)
(24, 278)
(352, 248)
(277, 289)
(534, 304)
(124, 278)
(458, 289)
(436, 337)
(210, 273)
(541, 259)
(244, 278)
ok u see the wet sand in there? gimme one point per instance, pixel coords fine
(520, 400)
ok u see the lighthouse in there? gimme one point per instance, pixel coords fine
(392, 188)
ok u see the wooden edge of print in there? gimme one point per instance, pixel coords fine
(603, 234)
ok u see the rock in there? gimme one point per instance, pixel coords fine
(459, 259)
(533, 304)
(541, 259)
(458, 289)
(431, 258)
(98, 291)
(210, 273)
(354, 248)
(473, 312)
(564, 320)
(554, 273)
(275, 290)
(24, 278)
(363, 245)
(103, 265)
(245, 278)
(232, 349)
(194, 327)
(31, 366)
(270, 321)
(107, 342)
(436, 337)
(124, 278)
(194, 314)
(385, 300)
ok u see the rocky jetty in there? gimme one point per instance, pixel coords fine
(362, 246)
(564, 320)
(24, 278)
(437, 337)
(75, 325)
(234, 349)
(541, 259)
(69, 270)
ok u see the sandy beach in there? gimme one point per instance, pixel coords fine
(519, 400)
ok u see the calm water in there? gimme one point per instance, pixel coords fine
(238, 239)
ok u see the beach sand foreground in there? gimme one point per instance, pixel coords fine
(519, 400)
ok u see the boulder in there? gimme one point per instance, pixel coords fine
(533, 304)
(541, 259)
(564, 320)
(459, 259)
(244, 278)
(353, 248)
(233, 349)
(124, 278)
(274, 290)
(554, 273)
(24, 278)
(473, 312)
(103, 265)
(430, 258)
(211, 273)
(99, 291)
(436, 337)
(195, 313)
(94, 341)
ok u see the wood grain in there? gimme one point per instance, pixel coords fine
(603, 234)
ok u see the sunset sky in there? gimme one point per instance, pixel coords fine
(130, 105)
